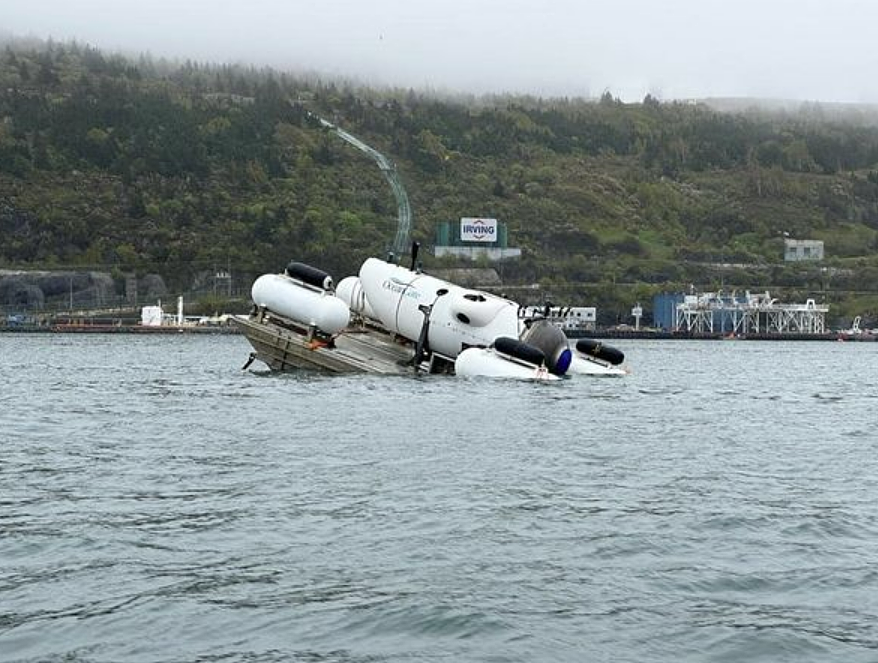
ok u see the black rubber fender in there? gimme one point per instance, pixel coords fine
(596, 349)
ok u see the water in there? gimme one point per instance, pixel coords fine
(158, 504)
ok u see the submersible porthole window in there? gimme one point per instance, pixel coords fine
(441, 291)
(474, 297)
(463, 318)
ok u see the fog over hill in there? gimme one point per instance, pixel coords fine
(856, 113)
(782, 49)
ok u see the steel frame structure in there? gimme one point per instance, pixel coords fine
(752, 314)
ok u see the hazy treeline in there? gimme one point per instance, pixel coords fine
(143, 164)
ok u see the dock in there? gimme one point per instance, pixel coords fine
(678, 335)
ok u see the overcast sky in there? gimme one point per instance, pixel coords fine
(824, 50)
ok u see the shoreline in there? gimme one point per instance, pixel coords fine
(572, 335)
(717, 336)
(115, 329)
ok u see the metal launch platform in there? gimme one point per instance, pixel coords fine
(283, 345)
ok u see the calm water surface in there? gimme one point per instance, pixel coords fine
(159, 504)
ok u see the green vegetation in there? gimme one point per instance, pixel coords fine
(144, 165)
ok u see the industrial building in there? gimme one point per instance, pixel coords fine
(571, 319)
(739, 315)
(798, 250)
(474, 238)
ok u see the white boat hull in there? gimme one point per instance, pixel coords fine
(485, 362)
(583, 365)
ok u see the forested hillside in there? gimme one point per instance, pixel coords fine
(148, 166)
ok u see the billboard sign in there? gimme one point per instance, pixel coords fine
(478, 230)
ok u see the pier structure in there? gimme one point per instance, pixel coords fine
(750, 314)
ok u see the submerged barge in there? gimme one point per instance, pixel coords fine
(394, 320)
(282, 344)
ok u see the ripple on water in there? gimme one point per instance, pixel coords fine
(159, 504)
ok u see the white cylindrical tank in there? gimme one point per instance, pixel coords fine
(350, 291)
(460, 318)
(485, 362)
(308, 306)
